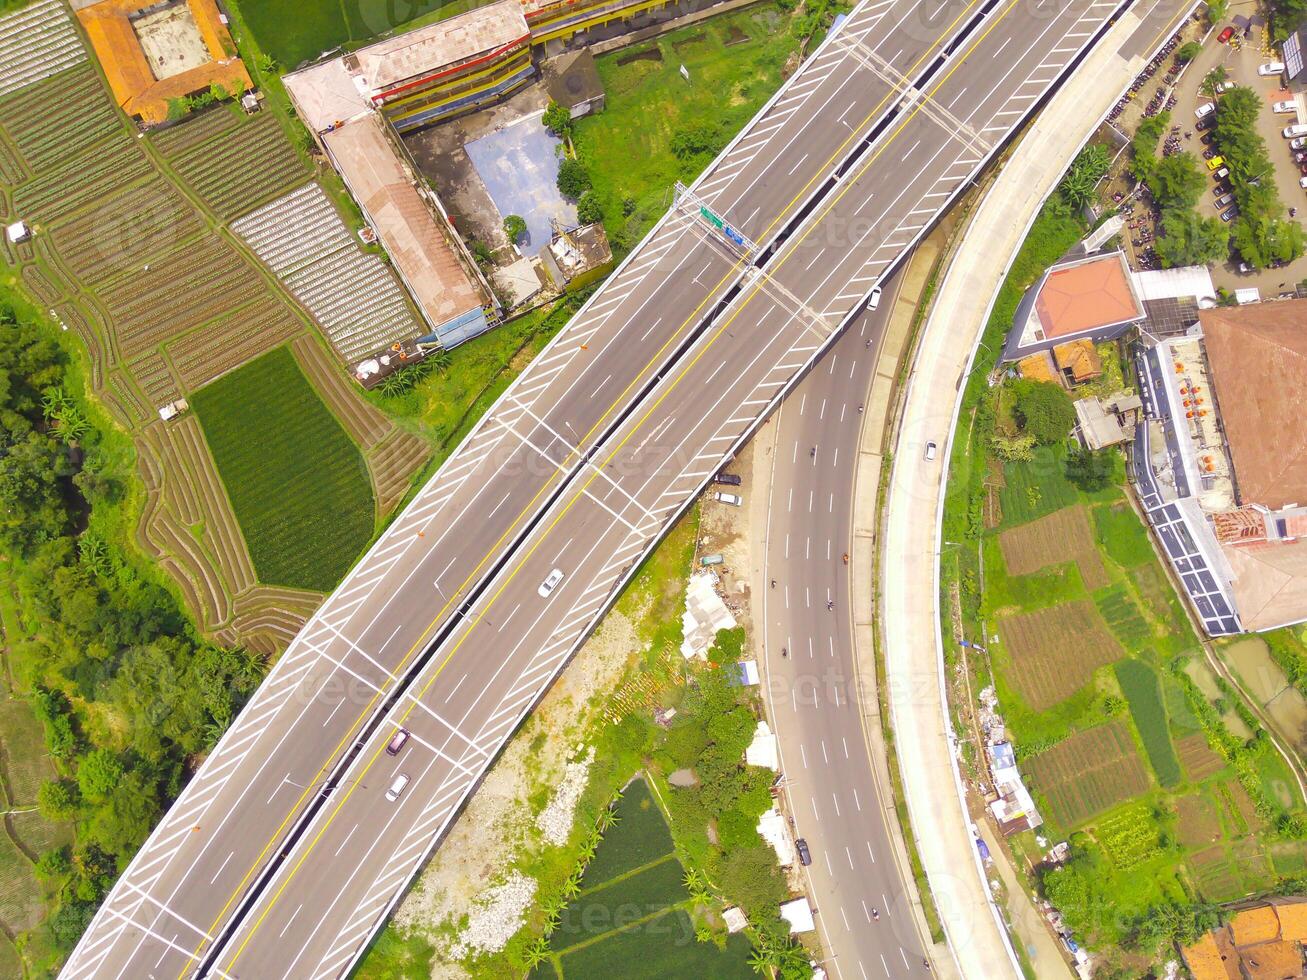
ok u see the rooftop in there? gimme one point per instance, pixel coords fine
(172, 50)
(1086, 294)
(1258, 359)
(403, 219)
(447, 42)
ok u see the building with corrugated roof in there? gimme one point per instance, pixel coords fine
(1221, 464)
(1261, 942)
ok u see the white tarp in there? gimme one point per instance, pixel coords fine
(762, 750)
(776, 832)
(798, 913)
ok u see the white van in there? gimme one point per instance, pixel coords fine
(1298, 129)
(397, 786)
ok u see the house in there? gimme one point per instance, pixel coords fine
(1083, 298)
(1260, 942)
(1220, 465)
(574, 259)
(1102, 423)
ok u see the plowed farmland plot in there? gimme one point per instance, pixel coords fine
(1064, 535)
(1088, 773)
(70, 115)
(1055, 651)
(184, 289)
(297, 483)
(243, 168)
(1197, 757)
(1198, 823)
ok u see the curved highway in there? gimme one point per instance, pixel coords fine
(813, 690)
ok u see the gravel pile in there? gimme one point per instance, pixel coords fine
(555, 820)
(496, 917)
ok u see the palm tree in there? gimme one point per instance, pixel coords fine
(572, 886)
(702, 934)
(608, 819)
(439, 361)
(762, 959)
(537, 951)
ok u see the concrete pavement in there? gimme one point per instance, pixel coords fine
(910, 615)
(362, 850)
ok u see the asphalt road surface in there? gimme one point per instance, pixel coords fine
(835, 798)
(363, 848)
(244, 802)
(580, 466)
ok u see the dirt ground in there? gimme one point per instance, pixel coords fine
(438, 151)
(723, 529)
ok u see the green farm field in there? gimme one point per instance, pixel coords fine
(297, 483)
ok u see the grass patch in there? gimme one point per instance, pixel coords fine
(654, 950)
(1123, 536)
(1036, 488)
(639, 837)
(26, 762)
(1139, 683)
(395, 957)
(619, 903)
(628, 146)
(297, 483)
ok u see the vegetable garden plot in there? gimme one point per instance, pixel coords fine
(1055, 651)
(238, 172)
(1062, 536)
(1197, 757)
(1087, 773)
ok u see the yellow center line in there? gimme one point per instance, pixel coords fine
(730, 275)
(518, 565)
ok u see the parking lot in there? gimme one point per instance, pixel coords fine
(1241, 59)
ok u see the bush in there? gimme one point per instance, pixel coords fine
(573, 179)
(1089, 471)
(98, 774)
(57, 799)
(1189, 51)
(1089, 166)
(1043, 410)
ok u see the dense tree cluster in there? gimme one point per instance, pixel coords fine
(127, 693)
(1261, 233)
(1177, 183)
(1043, 410)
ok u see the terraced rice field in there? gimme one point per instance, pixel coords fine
(297, 483)
(1055, 651)
(1087, 773)
(1062, 536)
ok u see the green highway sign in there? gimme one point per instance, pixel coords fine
(711, 218)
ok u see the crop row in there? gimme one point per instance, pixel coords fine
(1056, 650)
(82, 180)
(186, 288)
(130, 226)
(1139, 683)
(1088, 772)
(1129, 837)
(194, 130)
(60, 117)
(235, 174)
(155, 377)
(226, 344)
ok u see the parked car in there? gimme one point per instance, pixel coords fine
(1271, 68)
(1225, 35)
(550, 583)
(1230, 215)
(734, 499)
(1291, 132)
(1223, 200)
(805, 855)
(1206, 139)
(1214, 162)
(1299, 143)
(1221, 174)
(727, 479)
(1205, 123)
(1221, 188)
(1288, 105)
(1302, 182)
(1205, 109)
(708, 560)
(1222, 87)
